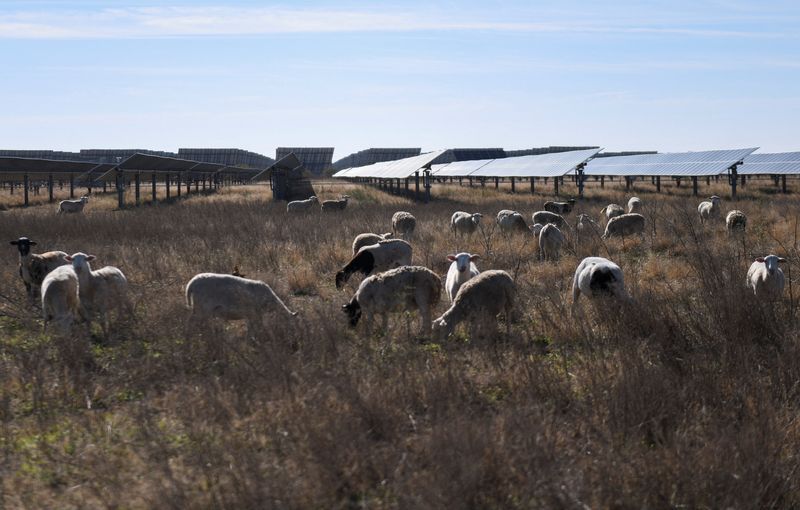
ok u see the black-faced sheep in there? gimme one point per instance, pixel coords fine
(34, 267)
(378, 257)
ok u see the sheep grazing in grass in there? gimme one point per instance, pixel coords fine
(478, 302)
(709, 209)
(461, 270)
(635, 205)
(560, 207)
(402, 289)
(381, 256)
(735, 221)
(465, 223)
(545, 217)
(102, 289)
(72, 206)
(335, 205)
(625, 225)
(60, 301)
(511, 221)
(550, 240)
(766, 278)
(34, 267)
(403, 224)
(300, 206)
(231, 297)
(598, 277)
(612, 211)
(368, 239)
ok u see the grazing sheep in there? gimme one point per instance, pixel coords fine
(230, 298)
(335, 205)
(598, 277)
(560, 207)
(60, 301)
(34, 267)
(479, 301)
(550, 241)
(401, 289)
(368, 239)
(101, 289)
(612, 211)
(709, 209)
(72, 206)
(381, 256)
(465, 223)
(511, 221)
(625, 225)
(635, 205)
(735, 221)
(766, 278)
(545, 217)
(403, 224)
(300, 206)
(460, 272)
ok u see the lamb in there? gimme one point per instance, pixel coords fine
(766, 278)
(381, 256)
(612, 211)
(60, 300)
(460, 272)
(367, 239)
(335, 205)
(511, 221)
(709, 209)
(231, 297)
(560, 207)
(635, 205)
(479, 301)
(72, 206)
(401, 289)
(465, 223)
(735, 221)
(545, 217)
(101, 289)
(403, 224)
(34, 267)
(598, 277)
(550, 240)
(300, 206)
(625, 225)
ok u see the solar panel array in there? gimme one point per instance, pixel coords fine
(398, 169)
(554, 164)
(678, 164)
(780, 163)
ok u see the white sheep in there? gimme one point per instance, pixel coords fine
(598, 277)
(545, 217)
(465, 223)
(230, 297)
(335, 205)
(461, 270)
(402, 289)
(72, 206)
(625, 225)
(511, 221)
(34, 267)
(300, 206)
(612, 211)
(635, 205)
(479, 301)
(403, 224)
(560, 207)
(60, 300)
(766, 278)
(735, 221)
(550, 241)
(709, 209)
(368, 239)
(102, 289)
(381, 256)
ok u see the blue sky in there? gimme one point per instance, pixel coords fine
(669, 76)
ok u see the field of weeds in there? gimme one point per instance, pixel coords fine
(689, 396)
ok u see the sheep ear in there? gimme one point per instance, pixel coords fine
(760, 259)
(451, 258)
(14, 243)
(32, 243)
(781, 259)
(90, 258)
(473, 258)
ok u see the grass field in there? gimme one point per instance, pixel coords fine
(687, 397)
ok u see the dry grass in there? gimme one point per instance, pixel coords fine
(689, 397)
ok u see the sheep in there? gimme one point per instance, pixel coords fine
(101, 289)
(401, 289)
(403, 224)
(625, 225)
(34, 267)
(598, 277)
(367, 239)
(735, 221)
(586, 224)
(60, 300)
(766, 278)
(545, 217)
(511, 221)
(709, 209)
(550, 241)
(635, 205)
(479, 301)
(461, 270)
(560, 207)
(231, 297)
(381, 256)
(335, 205)
(300, 206)
(612, 211)
(465, 223)
(72, 206)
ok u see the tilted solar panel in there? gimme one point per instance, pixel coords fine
(780, 163)
(554, 164)
(680, 164)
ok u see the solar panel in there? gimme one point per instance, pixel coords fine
(554, 164)
(459, 168)
(397, 169)
(782, 163)
(679, 164)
